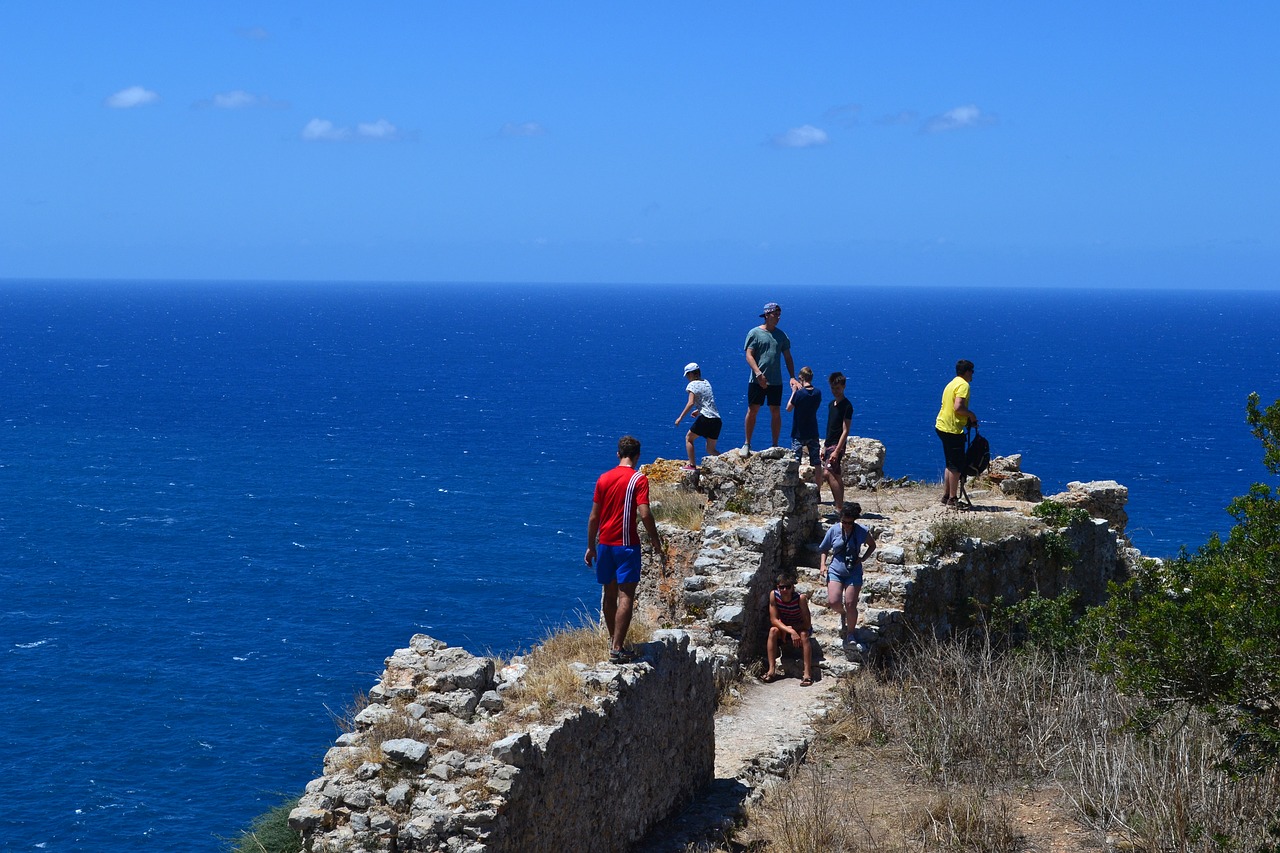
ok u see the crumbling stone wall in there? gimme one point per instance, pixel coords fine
(597, 780)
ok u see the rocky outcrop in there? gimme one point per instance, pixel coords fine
(438, 762)
(1103, 499)
(450, 755)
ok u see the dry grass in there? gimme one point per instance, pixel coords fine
(957, 739)
(676, 506)
(553, 685)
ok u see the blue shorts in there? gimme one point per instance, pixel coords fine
(617, 564)
(839, 572)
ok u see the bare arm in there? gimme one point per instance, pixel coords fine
(962, 408)
(871, 547)
(687, 407)
(593, 529)
(756, 373)
(844, 433)
(791, 368)
(651, 527)
(792, 399)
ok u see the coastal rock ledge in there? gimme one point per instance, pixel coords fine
(452, 755)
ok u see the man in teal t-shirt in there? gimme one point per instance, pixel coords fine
(765, 344)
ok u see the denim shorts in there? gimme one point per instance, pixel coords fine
(838, 571)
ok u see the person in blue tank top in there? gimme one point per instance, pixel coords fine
(841, 566)
(789, 623)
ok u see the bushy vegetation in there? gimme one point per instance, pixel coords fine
(270, 833)
(1204, 630)
(1156, 717)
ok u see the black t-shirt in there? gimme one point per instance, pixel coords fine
(837, 413)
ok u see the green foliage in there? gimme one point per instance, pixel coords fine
(1265, 425)
(1058, 551)
(1059, 515)
(1050, 624)
(270, 833)
(740, 502)
(1205, 628)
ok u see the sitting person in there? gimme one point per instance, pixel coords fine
(843, 571)
(789, 623)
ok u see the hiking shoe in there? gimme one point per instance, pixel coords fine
(621, 656)
(744, 451)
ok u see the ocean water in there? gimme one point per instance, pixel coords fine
(222, 505)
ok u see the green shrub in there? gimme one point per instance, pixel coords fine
(1052, 624)
(1204, 629)
(1059, 515)
(270, 833)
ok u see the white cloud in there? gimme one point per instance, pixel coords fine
(380, 129)
(957, 119)
(805, 136)
(134, 96)
(523, 128)
(323, 130)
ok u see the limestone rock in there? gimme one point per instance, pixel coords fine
(1103, 499)
(405, 750)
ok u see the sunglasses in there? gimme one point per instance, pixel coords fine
(786, 586)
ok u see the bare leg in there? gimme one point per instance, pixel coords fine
(749, 425)
(950, 484)
(775, 423)
(711, 447)
(835, 601)
(807, 648)
(771, 649)
(609, 607)
(851, 594)
(688, 445)
(837, 489)
(622, 619)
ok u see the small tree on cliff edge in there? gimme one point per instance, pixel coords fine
(1204, 629)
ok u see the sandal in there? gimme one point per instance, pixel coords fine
(621, 656)
(769, 677)
(806, 682)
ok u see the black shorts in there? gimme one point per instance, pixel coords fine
(707, 427)
(757, 395)
(952, 449)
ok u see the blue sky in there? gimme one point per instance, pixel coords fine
(1094, 143)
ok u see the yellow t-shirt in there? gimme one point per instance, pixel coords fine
(948, 420)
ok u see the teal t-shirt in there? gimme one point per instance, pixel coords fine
(767, 349)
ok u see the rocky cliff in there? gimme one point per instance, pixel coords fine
(442, 761)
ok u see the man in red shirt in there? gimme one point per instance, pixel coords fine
(620, 502)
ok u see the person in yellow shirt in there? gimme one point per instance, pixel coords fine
(953, 418)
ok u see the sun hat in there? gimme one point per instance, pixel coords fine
(770, 306)
(690, 367)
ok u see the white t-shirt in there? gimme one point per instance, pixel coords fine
(704, 400)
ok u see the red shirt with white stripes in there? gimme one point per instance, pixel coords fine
(618, 492)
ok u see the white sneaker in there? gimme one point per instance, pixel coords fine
(744, 451)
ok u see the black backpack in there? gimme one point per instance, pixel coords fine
(977, 455)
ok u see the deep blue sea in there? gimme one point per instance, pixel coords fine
(222, 506)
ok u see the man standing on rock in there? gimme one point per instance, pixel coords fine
(953, 418)
(765, 344)
(620, 502)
